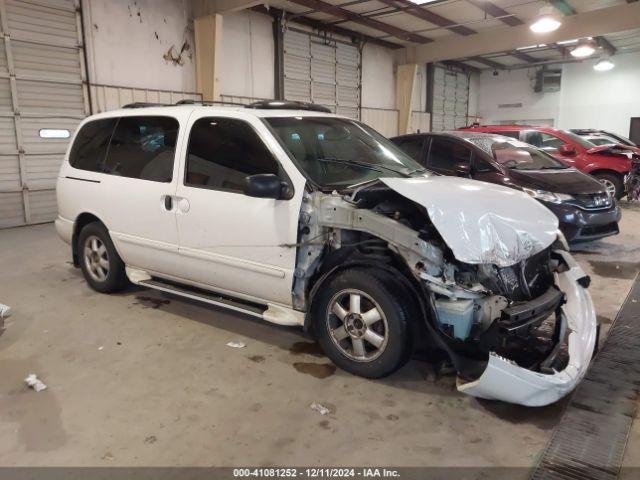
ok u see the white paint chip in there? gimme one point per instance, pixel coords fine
(236, 344)
(321, 409)
(34, 382)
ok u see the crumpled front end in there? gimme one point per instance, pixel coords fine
(503, 379)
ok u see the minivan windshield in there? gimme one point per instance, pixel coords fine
(519, 156)
(338, 152)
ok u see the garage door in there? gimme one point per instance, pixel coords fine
(450, 99)
(41, 90)
(322, 71)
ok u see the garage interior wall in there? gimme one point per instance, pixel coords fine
(140, 51)
(587, 98)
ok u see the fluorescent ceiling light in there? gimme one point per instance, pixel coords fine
(604, 65)
(585, 48)
(546, 22)
(421, 2)
(568, 42)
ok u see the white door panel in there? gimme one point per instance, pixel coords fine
(236, 243)
(144, 231)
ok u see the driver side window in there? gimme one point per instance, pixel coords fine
(222, 152)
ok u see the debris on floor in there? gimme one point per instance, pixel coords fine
(236, 344)
(100, 348)
(34, 382)
(321, 409)
(5, 311)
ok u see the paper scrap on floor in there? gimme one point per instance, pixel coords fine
(5, 311)
(34, 382)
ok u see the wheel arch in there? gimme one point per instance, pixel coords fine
(82, 220)
(350, 260)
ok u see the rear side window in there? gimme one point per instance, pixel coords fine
(412, 147)
(144, 148)
(445, 154)
(223, 152)
(91, 143)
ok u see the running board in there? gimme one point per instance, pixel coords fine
(206, 297)
(271, 313)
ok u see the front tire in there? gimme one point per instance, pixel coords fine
(361, 319)
(613, 183)
(102, 267)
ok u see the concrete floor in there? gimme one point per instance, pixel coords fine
(142, 379)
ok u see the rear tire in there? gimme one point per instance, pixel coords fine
(613, 183)
(362, 321)
(102, 267)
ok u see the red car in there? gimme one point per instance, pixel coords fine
(608, 163)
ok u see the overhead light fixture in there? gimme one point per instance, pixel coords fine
(604, 65)
(421, 2)
(585, 48)
(547, 21)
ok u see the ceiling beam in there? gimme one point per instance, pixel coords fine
(488, 62)
(429, 16)
(319, 26)
(461, 66)
(592, 23)
(345, 14)
(495, 11)
(202, 8)
(523, 56)
(567, 10)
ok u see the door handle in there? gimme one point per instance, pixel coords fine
(167, 201)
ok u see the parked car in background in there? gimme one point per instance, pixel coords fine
(584, 208)
(608, 163)
(299, 217)
(593, 134)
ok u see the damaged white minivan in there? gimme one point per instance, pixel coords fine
(301, 217)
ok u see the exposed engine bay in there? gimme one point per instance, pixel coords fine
(478, 312)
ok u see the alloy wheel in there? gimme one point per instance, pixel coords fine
(96, 258)
(357, 325)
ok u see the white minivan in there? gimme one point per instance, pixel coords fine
(287, 212)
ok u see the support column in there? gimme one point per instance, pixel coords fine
(405, 78)
(208, 37)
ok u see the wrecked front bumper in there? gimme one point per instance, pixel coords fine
(505, 380)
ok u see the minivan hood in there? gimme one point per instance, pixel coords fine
(481, 222)
(566, 180)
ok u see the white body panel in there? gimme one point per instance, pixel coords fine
(240, 244)
(143, 231)
(482, 222)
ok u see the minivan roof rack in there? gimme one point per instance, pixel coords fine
(144, 105)
(288, 105)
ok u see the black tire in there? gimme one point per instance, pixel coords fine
(115, 277)
(383, 289)
(614, 180)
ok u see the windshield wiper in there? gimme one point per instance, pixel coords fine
(368, 166)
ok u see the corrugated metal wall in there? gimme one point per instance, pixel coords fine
(322, 71)
(450, 99)
(41, 86)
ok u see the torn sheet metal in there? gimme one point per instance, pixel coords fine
(481, 222)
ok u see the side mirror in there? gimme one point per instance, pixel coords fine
(265, 185)
(567, 150)
(462, 169)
